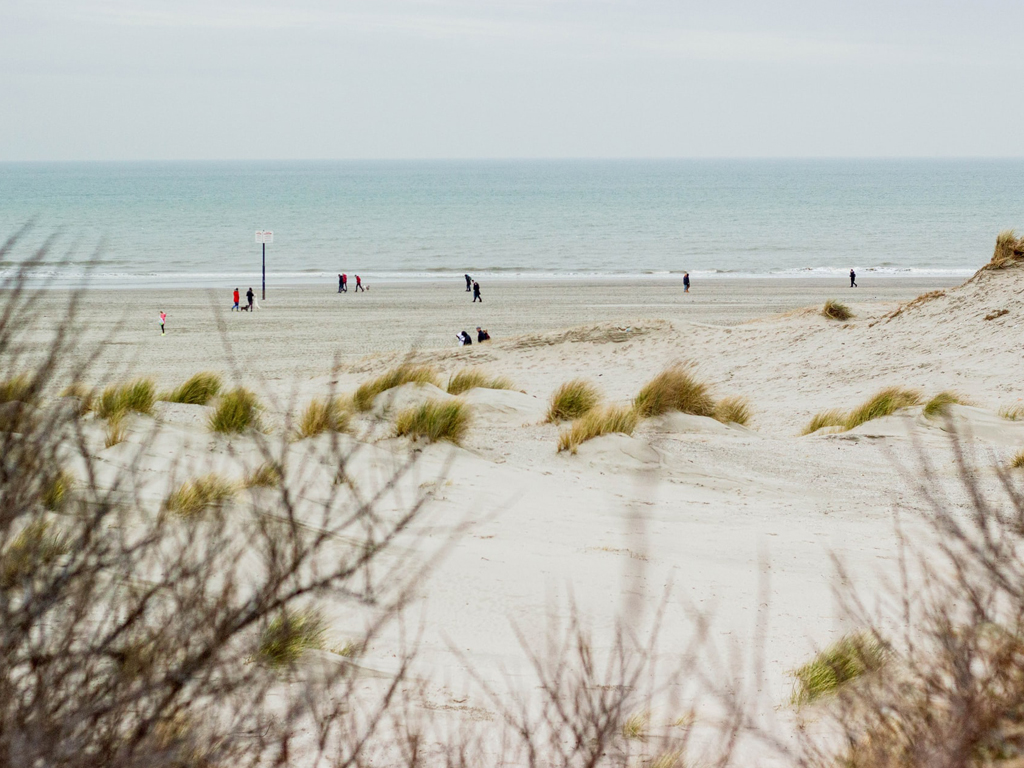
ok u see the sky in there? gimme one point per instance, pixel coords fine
(312, 79)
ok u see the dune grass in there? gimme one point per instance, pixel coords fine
(1009, 249)
(195, 497)
(403, 374)
(37, 544)
(57, 490)
(836, 310)
(290, 635)
(119, 399)
(675, 389)
(572, 400)
(1013, 412)
(116, 432)
(832, 418)
(636, 726)
(1017, 462)
(939, 404)
(197, 390)
(329, 414)
(670, 759)
(266, 475)
(435, 421)
(885, 403)
(18, 388)
(847, 659)
(608, 420)
(237, 411)
(86, 397)
(472, 378)
(733, 410)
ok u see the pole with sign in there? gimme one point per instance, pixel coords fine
(264, 238)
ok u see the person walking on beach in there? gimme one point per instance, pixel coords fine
(163, 319)
(341, 284)
(359, 283)
(853, 279)
(686, 282)
(469, 283)
(234, 298)
(476, 293)
(250, 296)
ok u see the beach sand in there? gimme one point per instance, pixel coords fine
(299, 331)
(734, 520)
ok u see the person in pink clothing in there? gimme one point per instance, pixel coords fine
(163, 319)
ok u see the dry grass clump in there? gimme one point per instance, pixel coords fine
(57, 490)
(609, 420)
(329, 414)
(1013, 412)
(237, 411)
(198, 390)
(675, 389)
(1017, 462)
(35, 546)
(733, 410)
(290, 635)
(195, 497)
(435, 421)
(403, 374)
(847, 659)
(835, 310)
(470, 378)
(266, 475)
(1009, 249)
(116, 432)
(939, 405)
(636, 726)
(831, 418)
(18, 388)
(119, 399)
(85, 396)
(885, 403)
(572, 400)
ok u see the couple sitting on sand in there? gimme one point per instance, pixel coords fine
(465, 339)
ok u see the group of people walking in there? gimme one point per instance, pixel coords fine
(343, 283)
(250, 298)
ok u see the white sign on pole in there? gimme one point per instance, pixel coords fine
(265, 237)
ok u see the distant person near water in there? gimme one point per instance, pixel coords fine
(686, 282)
(234, 298)
(482, 335)
(359, 284)
(469, 283)
(163, 319)
(341, 283)
(853, 279)
(476, 293)
(250, 296)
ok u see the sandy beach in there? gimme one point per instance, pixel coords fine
(726, 516)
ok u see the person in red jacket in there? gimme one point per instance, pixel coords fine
(235, 298)
(359, 284)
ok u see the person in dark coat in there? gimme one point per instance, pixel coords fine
(476, 292)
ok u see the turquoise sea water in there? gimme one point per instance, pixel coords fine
(194, 223)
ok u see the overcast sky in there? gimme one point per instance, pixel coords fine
(206, 79)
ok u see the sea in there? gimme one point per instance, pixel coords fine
(195, 223)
